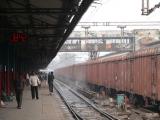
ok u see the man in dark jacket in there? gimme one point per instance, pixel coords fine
(19, 87)
(50, 82)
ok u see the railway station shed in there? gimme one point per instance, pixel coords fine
(32, 32)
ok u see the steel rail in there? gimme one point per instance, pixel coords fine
(107, 115)
(74, 114)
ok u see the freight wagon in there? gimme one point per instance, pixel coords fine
(136, 74)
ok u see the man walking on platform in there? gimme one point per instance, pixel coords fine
(50, 82)
(34, 82)
(19, 84)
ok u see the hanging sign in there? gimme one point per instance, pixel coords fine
(18, 37)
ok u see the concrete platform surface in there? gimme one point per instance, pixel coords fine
(46, 108)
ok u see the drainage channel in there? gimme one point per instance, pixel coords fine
(79, 106)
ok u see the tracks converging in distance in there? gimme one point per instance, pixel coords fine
(80, 107)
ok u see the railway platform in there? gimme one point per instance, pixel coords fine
(45, 108)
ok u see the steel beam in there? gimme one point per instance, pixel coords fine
(16, 18)
(137, 23)
(81, 10)
(36, 19)
(16, 2)
(33, 27)
(45, 35)
(95, 38)
(31, 6)
(39, 11)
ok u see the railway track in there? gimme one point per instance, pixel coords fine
(80, 107)
(131, 113)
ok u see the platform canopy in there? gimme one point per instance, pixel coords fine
(35, 30)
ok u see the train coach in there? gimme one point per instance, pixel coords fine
(135, 74)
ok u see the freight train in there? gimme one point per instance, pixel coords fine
(135, 74)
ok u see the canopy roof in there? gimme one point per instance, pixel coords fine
(38, 28)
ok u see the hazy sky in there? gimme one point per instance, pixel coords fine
(121, 10)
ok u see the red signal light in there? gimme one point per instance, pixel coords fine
(18, 37)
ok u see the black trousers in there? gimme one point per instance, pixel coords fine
(19, 94)
(50, 87)
(34, 92)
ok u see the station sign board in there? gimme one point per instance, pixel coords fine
(146, 37)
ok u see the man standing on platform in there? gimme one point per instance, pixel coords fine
(50, 82)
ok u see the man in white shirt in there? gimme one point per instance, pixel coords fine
(34, 82)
